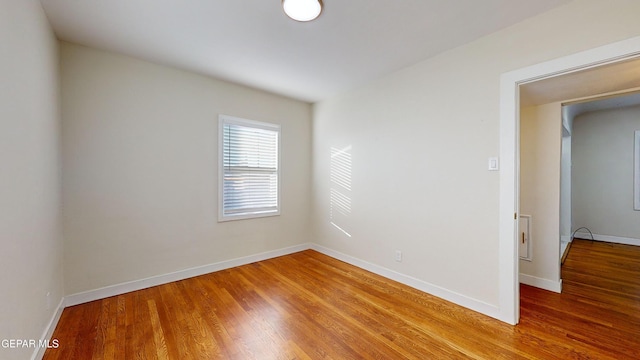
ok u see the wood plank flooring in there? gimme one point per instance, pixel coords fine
(310, 306)
(599, 307)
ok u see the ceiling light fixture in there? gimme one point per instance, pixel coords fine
(302, 10)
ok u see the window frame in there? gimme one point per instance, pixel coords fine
(232, 120)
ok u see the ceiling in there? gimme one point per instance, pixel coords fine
(606, 103)
(603, 87)
(252, 42)
(606, 79)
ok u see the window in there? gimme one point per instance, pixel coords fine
(249, 170)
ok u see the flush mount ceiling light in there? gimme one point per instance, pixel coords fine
(302, 10)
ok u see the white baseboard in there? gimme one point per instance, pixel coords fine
(118, 289)
(459, 299)
(555, 286)
(38, 353)
(609, 238)
(565, 238)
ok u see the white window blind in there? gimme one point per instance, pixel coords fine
(249, 168)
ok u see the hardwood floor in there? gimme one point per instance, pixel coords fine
(600, 302)
(310, 306)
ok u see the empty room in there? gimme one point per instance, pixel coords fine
(306, 179)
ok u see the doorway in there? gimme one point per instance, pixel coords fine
(565, 69)
(602, 132)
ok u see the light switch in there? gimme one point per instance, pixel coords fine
(494, 164)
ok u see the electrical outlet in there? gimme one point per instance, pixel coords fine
(398, 255)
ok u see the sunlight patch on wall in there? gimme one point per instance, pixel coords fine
(340, 190)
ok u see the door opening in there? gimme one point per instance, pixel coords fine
(510, 99)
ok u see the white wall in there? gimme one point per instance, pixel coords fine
(140, 170)
(540, 154)
(603, 145)
(565, 190)
(420, 141)
(30, 232)
(566, 224)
